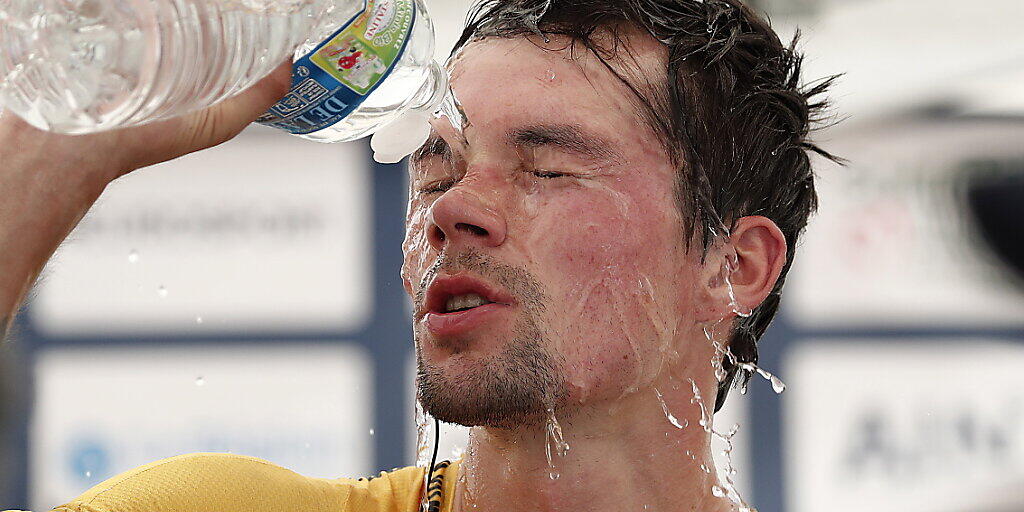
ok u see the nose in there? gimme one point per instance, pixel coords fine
(458, 217)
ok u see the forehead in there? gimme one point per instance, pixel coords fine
(508, 81)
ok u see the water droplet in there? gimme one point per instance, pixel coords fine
(162, 292)
(705, 468)
(199, 319)
(306, 446)
(133, 256)
(743, 389)
(777, 385)
(200, 381)
(718, 491)
(554, 443)
(371, 431)
(88, 474)
(551, 75)
(720, 373)
(422, 437)
(668, 414)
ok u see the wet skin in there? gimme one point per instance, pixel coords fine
(595, 226)
(560, 201)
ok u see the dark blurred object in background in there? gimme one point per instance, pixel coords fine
(994, 194)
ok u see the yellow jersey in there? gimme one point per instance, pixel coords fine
(220, 482)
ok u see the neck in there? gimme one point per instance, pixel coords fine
(627, 451)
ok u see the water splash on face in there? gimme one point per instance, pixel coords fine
(554, 444)
(723, 352)
(452, 109)
(668, 414)
(731, 265)
(728, 487)
(422, 437)
(423, 451)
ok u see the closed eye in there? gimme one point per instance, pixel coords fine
(436, 188)
(547, 174)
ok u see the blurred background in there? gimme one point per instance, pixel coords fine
(247, 299)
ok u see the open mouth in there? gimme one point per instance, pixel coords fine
(456, 304)
(464, 302)
(453, 294)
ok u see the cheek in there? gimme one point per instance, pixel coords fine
(415, 248)
(617, 266)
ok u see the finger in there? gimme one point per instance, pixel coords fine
(224, 121)
(261, 96)
(215, 125)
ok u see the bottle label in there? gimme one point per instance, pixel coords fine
(331, 81)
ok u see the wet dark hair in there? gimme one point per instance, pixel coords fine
(731, 111)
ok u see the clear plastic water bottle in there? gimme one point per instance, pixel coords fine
(81, 66)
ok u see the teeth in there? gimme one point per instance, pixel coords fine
(469, 300)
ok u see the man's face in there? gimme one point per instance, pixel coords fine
(557, 207)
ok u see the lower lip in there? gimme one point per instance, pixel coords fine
(449, 324)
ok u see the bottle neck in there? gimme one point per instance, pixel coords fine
(434, 91)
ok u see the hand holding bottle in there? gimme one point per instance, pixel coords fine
(93, 65)
(49, 181)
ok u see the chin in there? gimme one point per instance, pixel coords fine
(512, 388)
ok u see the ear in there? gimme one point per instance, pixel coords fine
(760, 255)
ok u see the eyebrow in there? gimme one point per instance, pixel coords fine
(570, 138)
(435, 145)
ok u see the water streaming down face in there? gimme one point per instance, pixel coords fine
(454, 112)
(593, 240)
(422, 436)
(554, 444)
(720, 289)
(729, 266)
(668, 414)
(614, 283)
(401, 137)
(728, 487)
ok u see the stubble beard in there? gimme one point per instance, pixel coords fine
(515, 388)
